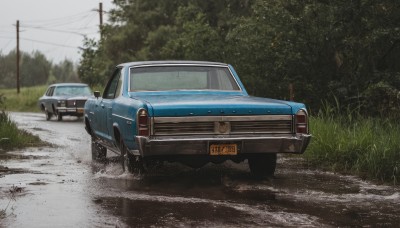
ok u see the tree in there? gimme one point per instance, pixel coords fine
(344, 50)
(35, 69)
(64, 72)
(8, 70)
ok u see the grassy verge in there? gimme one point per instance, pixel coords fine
(25, 101)
(10, 136)
(369, 147)
(13, 138)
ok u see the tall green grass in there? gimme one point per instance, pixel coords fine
(13, 138)
(344, 140)
(25, 101)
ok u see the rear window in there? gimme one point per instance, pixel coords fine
(161, 78)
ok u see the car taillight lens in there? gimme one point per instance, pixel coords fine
(301, 121)
(143, 123)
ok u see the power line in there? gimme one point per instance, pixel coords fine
(6, 37)
(49, 43)
(77, 24)
(54, 30)
(89, 18)
(62, 21)
(78, 15)
(7, 44)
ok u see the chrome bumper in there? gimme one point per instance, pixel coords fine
(70, 110)
(155, 146)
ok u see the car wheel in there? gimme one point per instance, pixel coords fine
(99, 152)
(48, 114)
(133, 163)
(262, 165)
(59, 117)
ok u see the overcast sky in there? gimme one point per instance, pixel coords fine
(53, 27)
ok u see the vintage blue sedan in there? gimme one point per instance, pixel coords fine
(191, 112)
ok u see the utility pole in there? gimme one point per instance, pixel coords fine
(101, 18)
(17, 56)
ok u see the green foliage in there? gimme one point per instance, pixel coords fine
(159, 30)
(346, 141)
(10, 136)
(35, 70)
(327, 49)
(90, 70)
(63, 72)
(382, 99)
(25, 101)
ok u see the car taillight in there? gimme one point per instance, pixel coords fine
(301, 122)
(143, 127)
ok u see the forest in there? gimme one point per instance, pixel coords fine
(35, 69)
(331, 51)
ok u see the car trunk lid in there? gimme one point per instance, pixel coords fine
(214, 105)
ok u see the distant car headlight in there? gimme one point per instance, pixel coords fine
(61, 103)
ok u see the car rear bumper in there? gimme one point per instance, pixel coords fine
(156, 146)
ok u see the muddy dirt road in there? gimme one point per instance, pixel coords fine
(60, 186)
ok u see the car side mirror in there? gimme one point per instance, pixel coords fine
(97, 94)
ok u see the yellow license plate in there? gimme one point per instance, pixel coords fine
(223, 149)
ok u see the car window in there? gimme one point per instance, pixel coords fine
(113, 87)
(72, 91)
(49, 91)
(159, 78)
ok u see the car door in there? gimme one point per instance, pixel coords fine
(48, 99)
(104, 106)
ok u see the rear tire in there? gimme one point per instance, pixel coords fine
(99, 152)
(262, 165)
(134, 163)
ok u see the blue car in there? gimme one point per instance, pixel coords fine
(191, 112)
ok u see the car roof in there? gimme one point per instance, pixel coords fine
(172, 62)
(68, 84)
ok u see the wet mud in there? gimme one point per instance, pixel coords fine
(60, 186)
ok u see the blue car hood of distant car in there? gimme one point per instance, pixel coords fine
(170, 105)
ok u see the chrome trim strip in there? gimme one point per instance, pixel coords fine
(222, 138)
(122, 117)
(220, 118)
